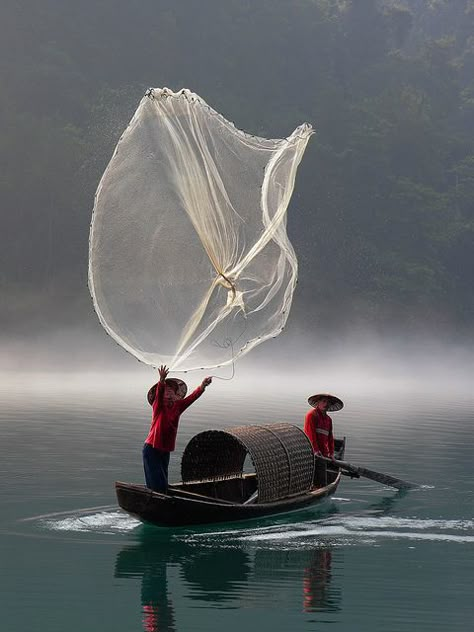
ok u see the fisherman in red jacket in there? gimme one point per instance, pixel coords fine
(318, 427)
(168, 400)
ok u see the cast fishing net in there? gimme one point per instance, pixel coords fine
(189, 261)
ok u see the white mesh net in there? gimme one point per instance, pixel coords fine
(189, 262)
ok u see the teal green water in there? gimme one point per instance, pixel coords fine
(368, 559)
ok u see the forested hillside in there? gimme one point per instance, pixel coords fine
(382, 218)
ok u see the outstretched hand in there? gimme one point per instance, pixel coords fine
(206, 381)
(163, 371)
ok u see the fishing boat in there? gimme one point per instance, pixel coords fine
(215, 489)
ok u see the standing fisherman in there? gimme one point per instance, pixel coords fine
(318, 427)
(168, 400)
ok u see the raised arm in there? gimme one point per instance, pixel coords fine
(163, 372)
(187, 401)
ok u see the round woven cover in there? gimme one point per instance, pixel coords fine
(335, 403)
(178, 385)
(281, 454)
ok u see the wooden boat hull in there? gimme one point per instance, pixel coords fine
(173, 509)
(215, 489)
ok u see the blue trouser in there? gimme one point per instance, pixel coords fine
(155, 464)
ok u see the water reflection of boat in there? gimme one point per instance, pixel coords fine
(150, 565)
(230, 575)
(310, 568)
(209, 574)
(215, 489)
(317, 583)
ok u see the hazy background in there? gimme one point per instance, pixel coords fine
(382, 217)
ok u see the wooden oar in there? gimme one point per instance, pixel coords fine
(355, 470)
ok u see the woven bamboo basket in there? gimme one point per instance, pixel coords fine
(281, 454)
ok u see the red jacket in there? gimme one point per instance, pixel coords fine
(318, 427)
(165, 419)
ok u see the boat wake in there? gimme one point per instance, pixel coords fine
(334, 529)
(345, 531)
(99, 520)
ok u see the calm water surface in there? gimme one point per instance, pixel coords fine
(368, 559)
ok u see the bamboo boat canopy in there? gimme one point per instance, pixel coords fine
(281, 454)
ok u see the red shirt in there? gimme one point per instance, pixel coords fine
(165, 419)
(318, 427)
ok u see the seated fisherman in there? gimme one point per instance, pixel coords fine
(318, 427)
(168, 400)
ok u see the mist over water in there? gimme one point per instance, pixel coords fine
(358, 363)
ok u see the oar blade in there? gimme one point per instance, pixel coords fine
(385, 479)
(380, 477)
